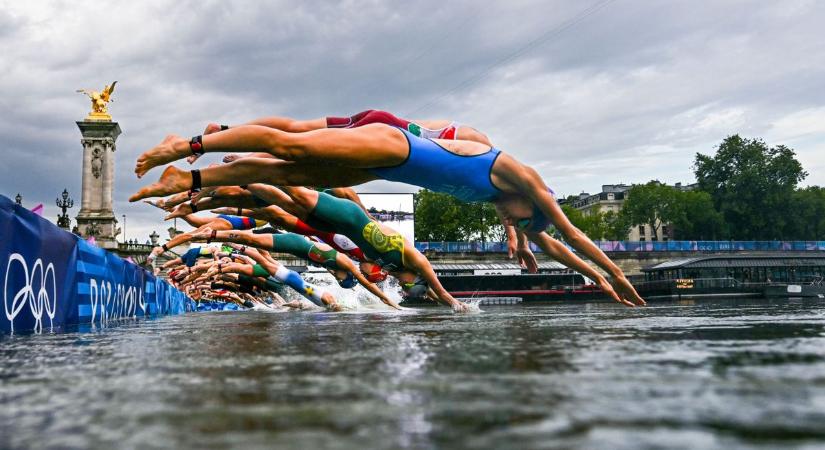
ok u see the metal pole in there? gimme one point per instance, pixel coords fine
(124, 228)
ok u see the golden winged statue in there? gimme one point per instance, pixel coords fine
(99, 102)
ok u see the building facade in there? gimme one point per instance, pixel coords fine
(612, 198)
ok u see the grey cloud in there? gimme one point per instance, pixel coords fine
(629, 94)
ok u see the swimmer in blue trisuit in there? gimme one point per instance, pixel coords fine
(219, 222)
(470, 171)
(433, 129)
(341, 267)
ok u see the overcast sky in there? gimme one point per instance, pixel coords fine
(588, 92)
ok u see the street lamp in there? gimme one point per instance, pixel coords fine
(18, 199)
(63, 220)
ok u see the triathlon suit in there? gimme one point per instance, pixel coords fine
(374, 116)
(242, 223)
(347, 218)
(431, 166)
(297, 245)
(191, 256)
(339, 242)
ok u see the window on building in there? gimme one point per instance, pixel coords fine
(641, 230)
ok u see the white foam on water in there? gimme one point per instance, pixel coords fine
(356, 300)
(474, 306)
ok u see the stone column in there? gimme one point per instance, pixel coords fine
(96, 214)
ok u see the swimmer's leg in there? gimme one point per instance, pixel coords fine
(370, 146)
(253, 170)
(312, 293)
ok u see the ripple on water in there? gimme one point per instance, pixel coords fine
(703, 375)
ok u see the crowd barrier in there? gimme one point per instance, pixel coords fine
(639, 246)
(52, 278)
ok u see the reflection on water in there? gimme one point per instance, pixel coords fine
(703, 375)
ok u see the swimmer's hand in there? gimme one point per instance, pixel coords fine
(156, 204)
(626, 292)
(527, 259)
(611, 289)
(461, 307)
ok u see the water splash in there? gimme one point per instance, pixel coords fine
(474, 305)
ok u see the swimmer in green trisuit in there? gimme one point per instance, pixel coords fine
(342, 268)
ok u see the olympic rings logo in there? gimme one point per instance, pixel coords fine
(38, 296)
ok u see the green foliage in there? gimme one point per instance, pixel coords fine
(598, 225)
(751, 184)
(442, 217)
(807, 214)
(698, 219)
(746, 191)
(652, 204)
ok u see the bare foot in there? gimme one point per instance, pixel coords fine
(212, 128)
(184, 209)
(172, 181)
(170, 149)
(156, 204)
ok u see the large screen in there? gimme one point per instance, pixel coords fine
(395, 210)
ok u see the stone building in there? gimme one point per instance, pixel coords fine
(611, 198)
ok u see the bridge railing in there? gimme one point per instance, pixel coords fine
(638, 246)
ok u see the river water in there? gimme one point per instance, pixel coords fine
(679, 375)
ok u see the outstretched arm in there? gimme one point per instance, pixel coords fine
(421, 265)
(562, 254)
(347, 264)
(578, 240)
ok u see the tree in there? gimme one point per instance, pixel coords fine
(699, 219)
(751, 184)
(438, 217)
(806, 218)
(442, 217)
(598, 225)
(652, 204)
(616, 226)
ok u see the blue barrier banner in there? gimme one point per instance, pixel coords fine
(38, 264)
(52, 278)
(638, 246)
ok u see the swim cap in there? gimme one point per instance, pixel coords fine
(349, 282)
(376, 275)
(538, 222)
